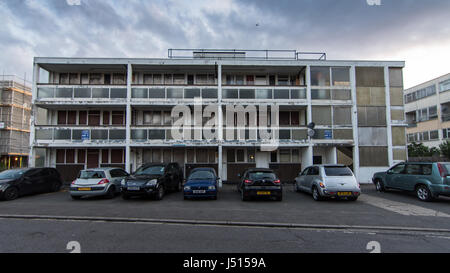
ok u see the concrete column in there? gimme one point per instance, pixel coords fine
(31, 156)
(220, 121)
(387, 92)
(128, 119)
(354, 122)
(307, 158)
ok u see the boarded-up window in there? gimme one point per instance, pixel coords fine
(62, 117)
(321, 115)
(395, 77)
(371, 116)
(202, 155)
(397, 115)
(370, 76)
(60, 155)
(117, 117)
(94, 118)
(396, 95)
(74, 78)
(81, 156)
(105, 117)
(71, 117)
(116, 156)
(399, 154)
(373, 156)
(82, 117)
(342, 115)
(105, 156)
(70, 156)
(372, 136)
(398, 136)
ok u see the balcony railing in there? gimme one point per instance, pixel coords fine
(101, 92)
(44, 134)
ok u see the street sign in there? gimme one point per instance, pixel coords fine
(85, 135)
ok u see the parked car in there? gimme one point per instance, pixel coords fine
(18, 182)
(328, 181)
(202, 182)
(153, 180)
(427, 179)
(97, 182)
(260, 182)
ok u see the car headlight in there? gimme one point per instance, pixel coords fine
(123, 182)
(187, 188)
(211, 187)
(2, 186)
(152, 182)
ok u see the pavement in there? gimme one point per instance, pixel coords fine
(398, 221)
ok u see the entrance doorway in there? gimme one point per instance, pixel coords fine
(92, 158)
(262, 159)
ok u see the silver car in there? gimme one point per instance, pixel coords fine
(97, 182)
(328, 181)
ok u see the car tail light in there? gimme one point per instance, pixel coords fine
(441, 170)
(277, 181)
(73, 182)
(103, 181)
(247, 181)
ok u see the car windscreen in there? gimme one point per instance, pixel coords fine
(261, 175)
(337, 171)
(150, 170)
(91, 174)
(201, 175)
(11, 174)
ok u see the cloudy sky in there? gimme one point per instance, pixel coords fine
(415, 31)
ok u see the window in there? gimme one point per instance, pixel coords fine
(445, 112)
(434, 135)
(340, 76)
(397, 169)
(369, 76)
(413, 169)
(320, 76)
(230, 156)
(94, 118)
(283, 80)
(371, 116)
(273, 156)
(117, 117)
(444, 86)
(240, 155)
(285, 155)
(321, 115)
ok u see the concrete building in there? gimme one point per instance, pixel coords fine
(91, 112)
(15, 109)
(427, 108)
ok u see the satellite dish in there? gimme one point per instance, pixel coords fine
(311, 125)
(311, 132)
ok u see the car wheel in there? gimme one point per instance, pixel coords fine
(75, 197)
(110, 193)
(160, 194)
(423, 193)
(125, 196)
(55, 187)
(379, 186)
(316, 194)
(11, 193)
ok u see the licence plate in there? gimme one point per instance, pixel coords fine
(198, 191)
(344, 193)
(133, 188)
(84, 189)
(263, 192)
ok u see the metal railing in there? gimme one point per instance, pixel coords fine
(262, 54)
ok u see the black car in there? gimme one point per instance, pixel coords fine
(18, 182)
(153, 180)
(260, 182)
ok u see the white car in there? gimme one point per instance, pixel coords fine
(328, 181)
(97, 182)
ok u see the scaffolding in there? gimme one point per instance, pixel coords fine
(15, 111)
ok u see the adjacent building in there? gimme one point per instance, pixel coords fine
(15, 110)
(427, 108)
(91, 112)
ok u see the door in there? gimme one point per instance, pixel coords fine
(262, 159)
(394, 175)
(92, 159)
(33, 181)
(300, 180)
(313, 174)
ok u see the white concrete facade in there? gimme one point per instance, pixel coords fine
(135, 98)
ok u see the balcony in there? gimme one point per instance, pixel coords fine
(81, 94)
(79, 136)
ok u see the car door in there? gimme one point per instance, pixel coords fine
(33, 181)
(313, 175)
(116, 176)
(300, 179)
(394, 176)
(414, 172)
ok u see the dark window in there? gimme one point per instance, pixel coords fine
(94, 118)
(105, 156)
(70, 156)
(116, 156)
(82, 117)
(107, 79)
(62, 117)
(413, 169)
(397, 169)
(60, 155)
(230, 156)
(338, 171)
(71, 117)
(284, 118)
(117, 117)
(81, 156)
(105, 117)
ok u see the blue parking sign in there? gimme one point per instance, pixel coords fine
(85, 135)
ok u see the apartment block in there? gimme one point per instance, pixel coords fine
(427, 108)
(90, 112)
(15, 110)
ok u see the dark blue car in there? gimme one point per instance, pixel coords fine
(202, 182)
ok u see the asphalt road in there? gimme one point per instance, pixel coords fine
(397, 221)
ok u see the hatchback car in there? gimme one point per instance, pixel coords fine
(18, 182)
(202, 182)
(260, 182)
(328, 181)
(153, 180)
(428, 180)
(97, 182)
